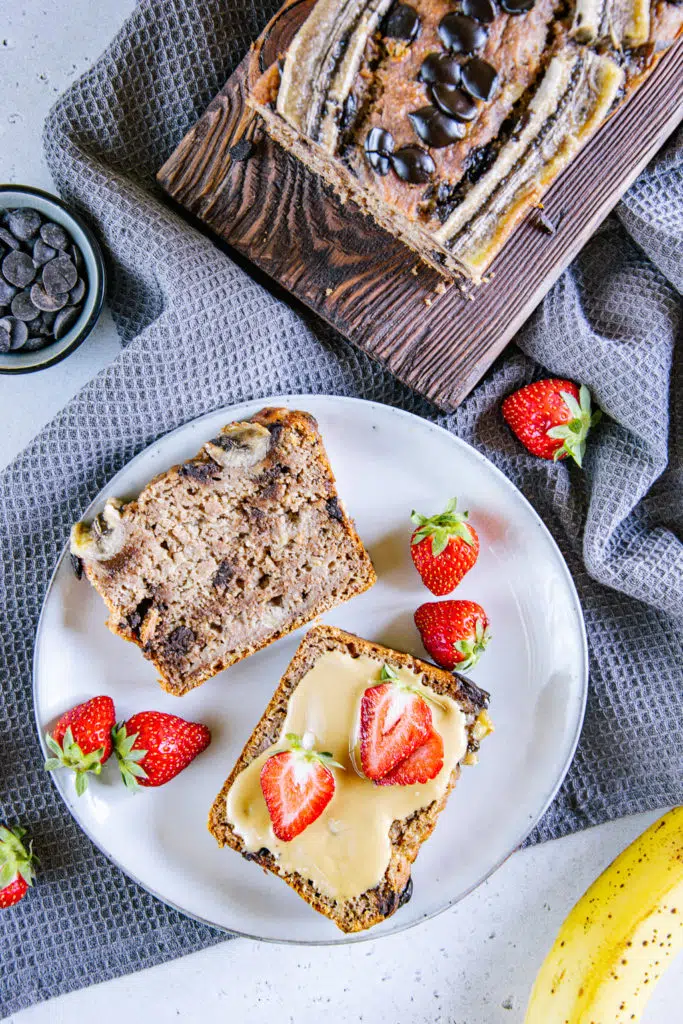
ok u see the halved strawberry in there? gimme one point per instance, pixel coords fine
(425, 763)
(394, 720)
(297, 785)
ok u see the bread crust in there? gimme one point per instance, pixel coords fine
(407, 835)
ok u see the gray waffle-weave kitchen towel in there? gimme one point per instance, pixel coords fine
(200, 333)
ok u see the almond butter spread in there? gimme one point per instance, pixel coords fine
(346, 850)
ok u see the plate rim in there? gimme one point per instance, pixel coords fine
(369, 934)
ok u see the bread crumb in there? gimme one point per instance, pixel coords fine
(427, 301)
(483, 725)
(413, 270)
(440, 288)
(328, 291)
(267, 88)
(396, 48)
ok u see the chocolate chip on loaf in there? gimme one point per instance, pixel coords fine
(402, 22)
(517, 6)
(454, 102)
(440, 67)
(379, 145)
(481, 10)
(242, 150)
(435, 128)
(413, 165)
(461, 34)
(480, 79)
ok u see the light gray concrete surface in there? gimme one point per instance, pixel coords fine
(474, 964)
(44, 46)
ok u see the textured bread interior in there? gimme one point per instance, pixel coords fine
(218, 562)
(407, 835)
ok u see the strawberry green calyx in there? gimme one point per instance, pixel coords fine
(302, 748)
(128, 758)
(70, 755)
(472, 648)
(573, 434)
(389, 675)
(442, 528)
(16, 859)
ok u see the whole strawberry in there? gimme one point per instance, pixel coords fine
(552, 418)
(454, 632)
(81, 739)
(443, 548)
(153, 747)
(16, 866)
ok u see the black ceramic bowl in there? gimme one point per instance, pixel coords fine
(13, 197)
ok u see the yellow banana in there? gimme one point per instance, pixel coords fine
(619, 938)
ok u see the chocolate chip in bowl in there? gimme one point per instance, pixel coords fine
(52, 279)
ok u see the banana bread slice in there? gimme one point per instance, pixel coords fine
(355, 837)
(220, 556)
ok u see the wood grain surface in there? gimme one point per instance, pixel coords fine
(230, 174)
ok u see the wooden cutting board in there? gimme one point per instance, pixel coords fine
(372, 288)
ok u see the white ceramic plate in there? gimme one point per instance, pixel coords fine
(386, 462)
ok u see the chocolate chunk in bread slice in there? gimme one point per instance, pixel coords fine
(405, 834)
(220, 556)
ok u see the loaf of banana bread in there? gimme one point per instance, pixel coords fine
(447, 121)
(228, 552)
